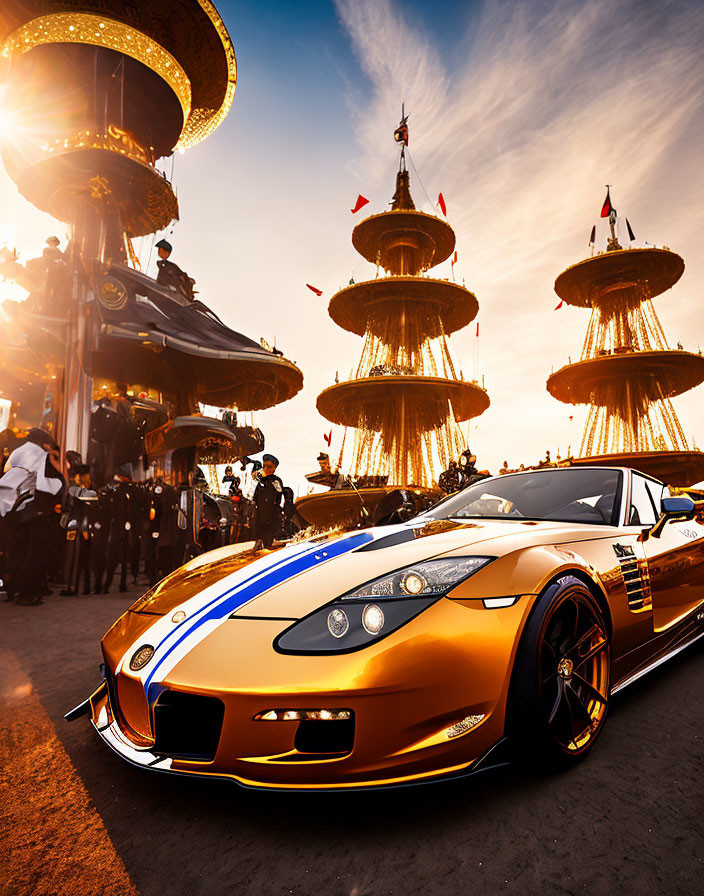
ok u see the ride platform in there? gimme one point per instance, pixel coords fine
(606, 278)
(651, 375)
(382, 238)
(370, 304)
(376, 400)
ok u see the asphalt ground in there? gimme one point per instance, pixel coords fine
(78, 820)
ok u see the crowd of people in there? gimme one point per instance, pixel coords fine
(59, 532)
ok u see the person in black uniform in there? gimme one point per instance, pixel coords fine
(78, 530)
(267, 503)
(119, 538)
(170, 275)
(230, 477)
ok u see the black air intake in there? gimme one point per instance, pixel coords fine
(187, 726)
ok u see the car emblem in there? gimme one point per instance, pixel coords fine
(141, 657)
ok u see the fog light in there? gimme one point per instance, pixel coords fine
(141, 657)
(178, 616)
(413, 583)
(338, 623)
(463, 726)
(300, 715)
(372, 619)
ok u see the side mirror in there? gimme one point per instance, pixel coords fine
(677, 507)
(680, 505)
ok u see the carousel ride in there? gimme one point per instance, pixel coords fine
(405, 400)
(98, 96)
(627, 374)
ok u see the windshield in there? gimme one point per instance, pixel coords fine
(570, 495)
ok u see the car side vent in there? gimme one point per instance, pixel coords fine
(636, 578)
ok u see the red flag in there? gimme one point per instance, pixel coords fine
(454, 259)
(328, 438)
(607, 208)
(477, 328)
(314, 289)
(360, 203)
(441, 203)
(557, 307)
(401, 133)
(592, 237)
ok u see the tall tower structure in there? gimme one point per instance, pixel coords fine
(100, 91)
(627, 373)
(405, 399)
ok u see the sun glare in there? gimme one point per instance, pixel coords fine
(7, 117)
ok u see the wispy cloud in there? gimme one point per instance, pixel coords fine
(553, 99)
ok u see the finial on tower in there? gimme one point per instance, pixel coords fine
(402, 197)
(401, 136)
(608, 211)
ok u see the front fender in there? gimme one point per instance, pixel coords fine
(524, 572)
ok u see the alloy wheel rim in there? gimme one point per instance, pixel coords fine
(574, 664)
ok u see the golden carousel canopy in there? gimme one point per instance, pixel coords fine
(443, 306)
(375, 402)
(101, 92)
(383, 238)
(404, 240)
(651, 375)
(185, 42)
(604, 278)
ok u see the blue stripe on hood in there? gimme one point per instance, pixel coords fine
(259, 583)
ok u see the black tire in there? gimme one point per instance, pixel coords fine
(558, 701)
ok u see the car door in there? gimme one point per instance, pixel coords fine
(675, 563)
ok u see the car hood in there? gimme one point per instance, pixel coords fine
(296, 579)
(365, 555)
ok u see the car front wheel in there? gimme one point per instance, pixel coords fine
(560, 686)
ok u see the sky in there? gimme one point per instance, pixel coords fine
(519, 112)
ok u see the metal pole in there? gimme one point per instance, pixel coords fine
(77, 391)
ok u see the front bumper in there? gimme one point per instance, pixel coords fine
(451, 662)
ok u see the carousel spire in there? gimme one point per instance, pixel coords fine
(627, 374)
(405, 401)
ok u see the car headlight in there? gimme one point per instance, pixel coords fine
(377, 608)
(430, 577)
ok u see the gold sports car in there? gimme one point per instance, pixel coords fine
(509, 613)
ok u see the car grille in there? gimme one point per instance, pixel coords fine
(133, 705)
(187, 726)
